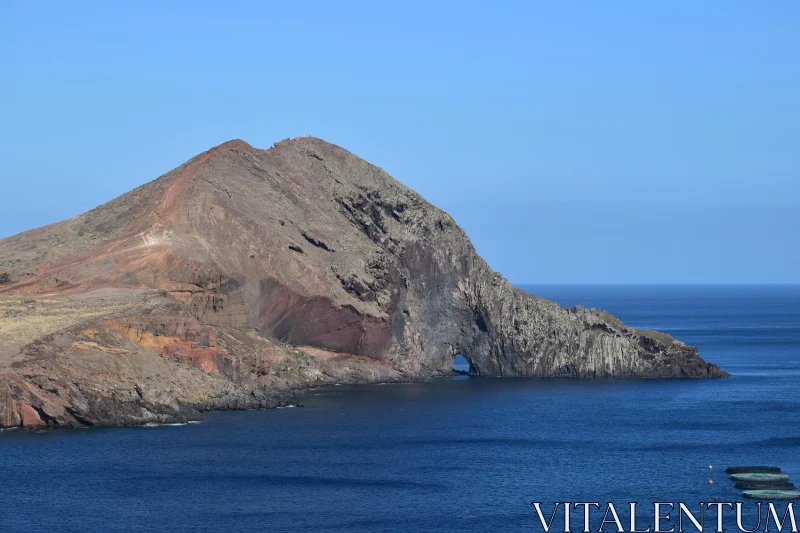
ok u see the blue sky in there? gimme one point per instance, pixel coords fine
(576, 142)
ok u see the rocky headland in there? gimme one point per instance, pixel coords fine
(246, 275)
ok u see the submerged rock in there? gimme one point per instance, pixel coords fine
(245, 274)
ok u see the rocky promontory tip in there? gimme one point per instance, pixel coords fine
(245, 275)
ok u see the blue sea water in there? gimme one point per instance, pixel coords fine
(462, 454)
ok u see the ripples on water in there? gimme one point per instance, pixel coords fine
(455, 455)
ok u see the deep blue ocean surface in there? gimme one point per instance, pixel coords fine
(463, 454)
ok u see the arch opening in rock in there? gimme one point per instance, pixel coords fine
(461, 365)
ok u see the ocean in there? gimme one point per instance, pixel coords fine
(464, 454)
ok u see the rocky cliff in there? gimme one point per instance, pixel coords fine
(245, 275)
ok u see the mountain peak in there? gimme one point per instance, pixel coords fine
(233, 144)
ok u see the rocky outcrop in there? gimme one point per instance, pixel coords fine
(245, 275)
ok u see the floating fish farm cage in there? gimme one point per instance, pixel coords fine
(763, 483)
(755, 485)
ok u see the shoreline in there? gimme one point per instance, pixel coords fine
(193, 414)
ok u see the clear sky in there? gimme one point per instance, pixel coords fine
(613, 141)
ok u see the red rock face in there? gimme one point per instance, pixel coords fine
(317, 321)
(30, 417)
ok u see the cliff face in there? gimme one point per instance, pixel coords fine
(246, 274)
